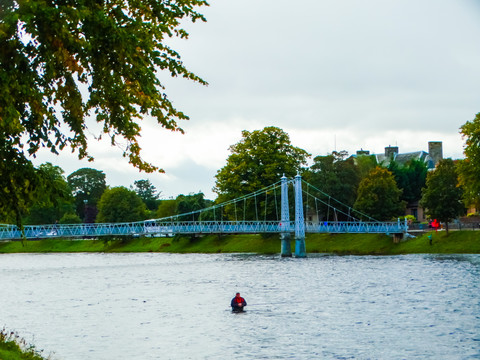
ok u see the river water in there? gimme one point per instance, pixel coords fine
(172, 306)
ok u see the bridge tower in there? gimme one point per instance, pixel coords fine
(286, 249)
(300, 250)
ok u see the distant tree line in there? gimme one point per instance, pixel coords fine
(260, 158)
(84, 196)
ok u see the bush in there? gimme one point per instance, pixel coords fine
(410, 218)
(13, 347)
(70, 219)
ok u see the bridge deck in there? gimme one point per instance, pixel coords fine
(165, 228)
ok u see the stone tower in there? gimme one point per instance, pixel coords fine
(435, 151)
(391, 152)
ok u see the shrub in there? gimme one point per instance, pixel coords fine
(70, 219)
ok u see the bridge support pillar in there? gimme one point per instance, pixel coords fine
(286, 248)
(300, 250)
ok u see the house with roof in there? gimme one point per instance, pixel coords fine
(430, 158)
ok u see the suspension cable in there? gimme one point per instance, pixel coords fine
(235, 204)
(265, 213)
(345, 205)
(244, 207)
(328, 209)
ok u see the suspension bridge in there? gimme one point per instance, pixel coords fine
(264, 211)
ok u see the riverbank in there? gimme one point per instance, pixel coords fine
(456, 242)
(12, 347)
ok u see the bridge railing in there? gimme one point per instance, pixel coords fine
(170, 228)
(214, 227)
(149, 227)
(355, 227)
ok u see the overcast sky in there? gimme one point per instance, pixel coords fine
(335, 75)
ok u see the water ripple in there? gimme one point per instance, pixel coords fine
(170, 306)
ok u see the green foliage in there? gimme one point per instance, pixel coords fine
(365, 164)
(20, 183)
(12, 347)
(258, 160)
(87, 187)
(120, 204)
(63, 61)
(190, 203)
(51, 51)
(378, 196)
(183, 204)
(336, 176)
(54, 201)
(70, 218)
(442, 195)
(166, 208)
(471, 133)
(410, 178)
(148, 193)
(34, 194)
(410, 218)
(469, 169)
(468, 178)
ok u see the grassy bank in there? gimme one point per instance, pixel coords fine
(12, 347)
(357, 244)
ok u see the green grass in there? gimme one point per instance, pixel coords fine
(12, 347)
(358, 244)
(457, 242)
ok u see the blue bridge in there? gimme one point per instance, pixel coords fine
(283, 225)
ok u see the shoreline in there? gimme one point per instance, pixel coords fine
(457, 242)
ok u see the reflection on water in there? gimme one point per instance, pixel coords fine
(170, 306)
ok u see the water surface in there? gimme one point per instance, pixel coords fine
(173, 306)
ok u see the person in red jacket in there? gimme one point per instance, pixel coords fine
(238, 303)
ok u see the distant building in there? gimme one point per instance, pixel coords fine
(431, 158)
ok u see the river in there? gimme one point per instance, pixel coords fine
(173, 306)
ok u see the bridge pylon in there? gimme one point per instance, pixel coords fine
(285, 237)
(300, 250)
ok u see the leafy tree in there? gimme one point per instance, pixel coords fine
(469, 169)
(63, 61)
(336, 176)
(410, 178)
(166, 208)
(48, 195)
(378, 195)
(189, 203)
(55, 201)
(120, 204)
(148, 193)
(442, 195)
(20, 184)
(70, 218)
(183, 204)
(260, 159)
(87, 187)
(365, 164)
